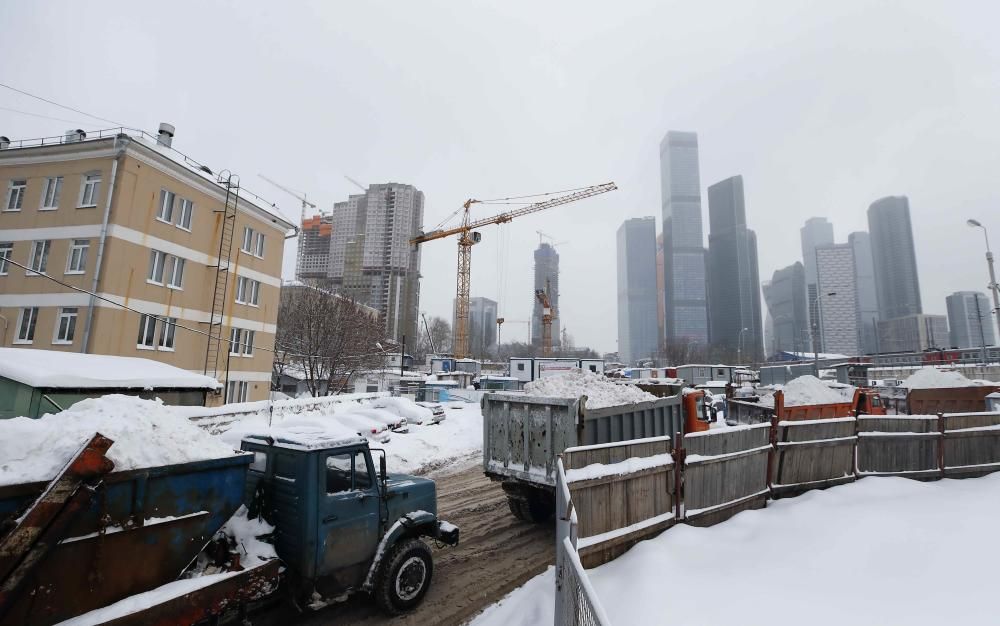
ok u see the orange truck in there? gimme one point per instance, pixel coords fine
(864, 402)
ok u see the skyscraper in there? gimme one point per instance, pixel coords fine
(685, 303)
(785, 295)
(371, 259)
(482, 326)
(637, 293)
(969, 320)
(816, 232)
(733, 278)
(546, 279)
(867, 296)
(895, 259)
(660, 294)
(838, 314)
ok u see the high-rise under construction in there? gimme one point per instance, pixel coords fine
(546, 279)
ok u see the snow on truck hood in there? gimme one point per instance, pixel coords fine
(72, 370)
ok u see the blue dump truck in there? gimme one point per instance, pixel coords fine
(93, 536)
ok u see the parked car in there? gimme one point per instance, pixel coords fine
(364, 426)
(412, 411)
(396, 423)
(437, 411)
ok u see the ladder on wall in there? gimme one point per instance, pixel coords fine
(215, 326)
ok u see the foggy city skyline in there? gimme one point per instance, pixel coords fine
(821, 110)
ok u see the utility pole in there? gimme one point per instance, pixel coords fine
(994, 287)
(982, 334)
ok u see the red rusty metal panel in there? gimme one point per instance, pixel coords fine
(227, 594)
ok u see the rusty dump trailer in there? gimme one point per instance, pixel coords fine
(93, 536)
(864, 402)
(523, 437)
(941, 399)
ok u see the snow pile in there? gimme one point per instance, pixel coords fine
(881, 534)
(54, 368)
(933, 378)
(246, 534)
(810, 390)
(600, 391)
(145, 433)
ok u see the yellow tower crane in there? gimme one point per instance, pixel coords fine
(467, 237)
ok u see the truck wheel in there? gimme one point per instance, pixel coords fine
(534, 507)
(404, 577)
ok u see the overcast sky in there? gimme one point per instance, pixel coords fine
(822, 109)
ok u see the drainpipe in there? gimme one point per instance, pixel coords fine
(3, 335)
(85, 347)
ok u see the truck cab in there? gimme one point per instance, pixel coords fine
(341, 526)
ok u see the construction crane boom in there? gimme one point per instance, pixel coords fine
(295, 194)
(467, 238)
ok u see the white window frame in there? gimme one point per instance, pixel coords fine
(185, 214)
(167, 335)
(90, 189)
(27, 321)
(248, 338)
(70, 314)
(6, 252)
(51, 192)
(43, 257)
(147, 332)
(237, 391)
(78, 249)
(247, 291)
(247, 245)
(157, 267)
(259, 247)
(176, 274)
(16, 187)
(235, 340)
(165, 209)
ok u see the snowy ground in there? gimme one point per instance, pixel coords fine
(879, 551)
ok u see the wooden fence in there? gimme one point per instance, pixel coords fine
(622, 492)
(629, 491)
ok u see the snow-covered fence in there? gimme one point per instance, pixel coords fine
(810, 454)
(220, 418)
(725, 472)
(576, 602)
(624, 492)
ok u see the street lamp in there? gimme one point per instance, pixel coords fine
(994, 288)
(816, 327)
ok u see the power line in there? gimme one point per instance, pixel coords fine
(47, 117)
(31, 95)
(165, 319)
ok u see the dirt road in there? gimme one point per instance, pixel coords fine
(496, 554)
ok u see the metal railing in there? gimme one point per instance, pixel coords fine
(576, 602)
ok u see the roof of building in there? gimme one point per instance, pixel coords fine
(71, 370)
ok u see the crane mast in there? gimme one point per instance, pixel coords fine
(468, 237)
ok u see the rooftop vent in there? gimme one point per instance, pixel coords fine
(72, 136)
(4, 142)
(166, 135)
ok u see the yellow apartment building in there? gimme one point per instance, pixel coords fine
(125, 216)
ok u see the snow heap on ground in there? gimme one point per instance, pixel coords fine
(890, 537)
(145, 433)
(600, 391)
(810, 390)
(932, 378)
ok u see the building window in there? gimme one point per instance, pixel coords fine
(234, 340)
(253, 242)
(26, 325)
(247, 291)
(165, 211)
(248, 337)
(167, 329)
(65, 326)
(51, 193)
(156, 262)
(76, 260)
(89, 189)
(6, 251)
(236, 391)
(184, 214)
(176, 272)
(15, 195)
(147, 332)
(39, 256)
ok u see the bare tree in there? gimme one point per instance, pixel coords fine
(325, 336)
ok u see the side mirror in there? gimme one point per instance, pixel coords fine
(381, 467)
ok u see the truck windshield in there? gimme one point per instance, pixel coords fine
(347, 471)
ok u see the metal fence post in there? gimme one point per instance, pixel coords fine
(562, 531)
(940, 449)
(678, 455)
